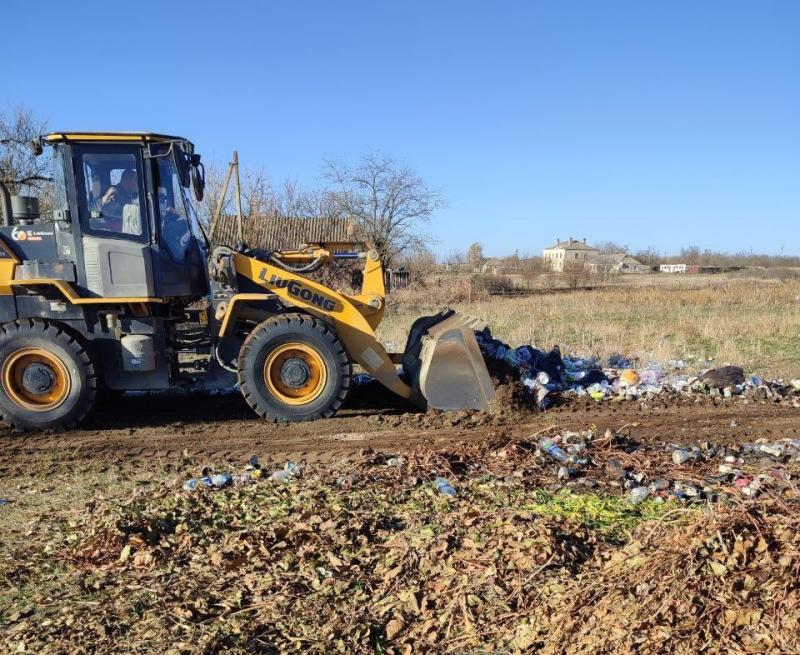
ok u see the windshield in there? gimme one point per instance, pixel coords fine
(178, 219)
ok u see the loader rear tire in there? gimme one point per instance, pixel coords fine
(293, 367)
(47, 379)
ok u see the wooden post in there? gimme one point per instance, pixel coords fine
(239, 226)
(221, 201)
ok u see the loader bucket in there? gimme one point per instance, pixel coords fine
(445, 365)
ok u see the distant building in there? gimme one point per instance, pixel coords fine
(570, 250)
(494, 266)
(615, 263)
(673, 268)
(579, 252)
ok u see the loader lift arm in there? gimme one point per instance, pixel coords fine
(354, 317)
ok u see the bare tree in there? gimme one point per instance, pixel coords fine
(649, 256)
(20, 169)
(420, 264)
(475, 255)
(611, 247)
(454, 259)
(389, 203)
(576, 274)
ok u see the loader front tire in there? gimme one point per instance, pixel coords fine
(47, 379)
(293, 367)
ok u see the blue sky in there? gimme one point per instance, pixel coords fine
(648, 123)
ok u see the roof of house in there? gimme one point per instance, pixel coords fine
(278, 232)
(493, 261)
(571, 244)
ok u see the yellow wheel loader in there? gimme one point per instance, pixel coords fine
(116, 290)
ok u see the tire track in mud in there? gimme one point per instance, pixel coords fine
(155, 431)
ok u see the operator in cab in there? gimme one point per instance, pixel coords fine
(117, 197)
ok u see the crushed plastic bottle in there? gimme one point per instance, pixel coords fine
(659, 484)
(221, 480)
(193, 484)
(444, 487)
(551, 448)
(287, 473)
(681, 456)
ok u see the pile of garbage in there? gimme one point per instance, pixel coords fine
(549, 376)
(692, 474)
(252, 471)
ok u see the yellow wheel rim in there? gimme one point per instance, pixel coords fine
(295, 373)
(35, 379)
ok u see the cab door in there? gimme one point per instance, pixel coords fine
(181, 262)
(115, 225)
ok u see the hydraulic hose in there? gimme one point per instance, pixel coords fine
(305, 268)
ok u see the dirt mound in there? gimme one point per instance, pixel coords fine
(513, 397)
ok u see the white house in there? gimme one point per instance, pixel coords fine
(570, 250)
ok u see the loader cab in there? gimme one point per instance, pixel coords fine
(129, 220)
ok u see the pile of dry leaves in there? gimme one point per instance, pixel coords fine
(371, 558)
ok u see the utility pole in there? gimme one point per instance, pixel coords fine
(233, 166)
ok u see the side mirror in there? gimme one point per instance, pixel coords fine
(198, 178)
(182, 165)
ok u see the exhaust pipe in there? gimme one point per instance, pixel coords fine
(6, 200)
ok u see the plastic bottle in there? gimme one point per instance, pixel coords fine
(444, 487)
(550, 447)
(221, 480)
(659, 484)
(193, 483)
(681, 456)
(566, 472)
(291, 470)
(638, 494)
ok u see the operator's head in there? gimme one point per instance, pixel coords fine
(128, 181)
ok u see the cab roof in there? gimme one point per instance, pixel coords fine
(111, 136)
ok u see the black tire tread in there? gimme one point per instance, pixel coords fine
(322, 329)
(53, 331)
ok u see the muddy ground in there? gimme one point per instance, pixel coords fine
(141, 432)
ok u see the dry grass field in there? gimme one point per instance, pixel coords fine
(752, 320)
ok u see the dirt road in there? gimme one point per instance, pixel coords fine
(143, 431)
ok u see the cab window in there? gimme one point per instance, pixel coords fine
(176, 233)
(113, 193)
